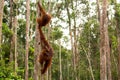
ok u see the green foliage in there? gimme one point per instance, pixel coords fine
(113, 37)
(5, 51)
(117, 14)
(57, 33)
(84, 1)
(88, 40)
(31, 50)
(5, 9)
(6, 72)
(21, 30)
(65, 58)
(90, 36)
(6, 31)
(5, 16)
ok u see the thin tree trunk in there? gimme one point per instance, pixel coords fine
(70, 33)
(60, 60)
(68, 70)
(75, 51)
(90, 67)
(11, 27)
(49, 74)
(27, 38)
(89, 61)
(15, 38)
(88, 56)
(98, 9)
(118, 36)
(36, 54)
(1, 17)
(37, 51)
(118, 33)
(78, 46)
(75, 43)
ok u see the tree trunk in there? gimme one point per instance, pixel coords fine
(88, 54)
(70, 33)
(11, 27)
(60, 60)
(105, 63)
(103, 73)
(36, 53)
(75, 43)
(27, 37)
(15, 40)
(49, 74)
(98, 9)
(118, 38)
(1, 17)
(89, 61)
(107, 45)
(75, 51)
(118, 34)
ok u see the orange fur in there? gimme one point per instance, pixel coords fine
(44, 18)
(45, 57)
(45, 60)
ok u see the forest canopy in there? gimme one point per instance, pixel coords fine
(84, 36)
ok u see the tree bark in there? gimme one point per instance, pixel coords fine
(1, 17)
(118, 34)
(75, 42)
(27, 37)
(98, 9)
(75, 51)
(60, 60)
(36, 53)
(105, 63)
(11, 27)
(107, 45)
(103, 73)
(118, 38)
(49, 74)
(15, 40)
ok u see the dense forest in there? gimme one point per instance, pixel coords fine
(84, 35)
